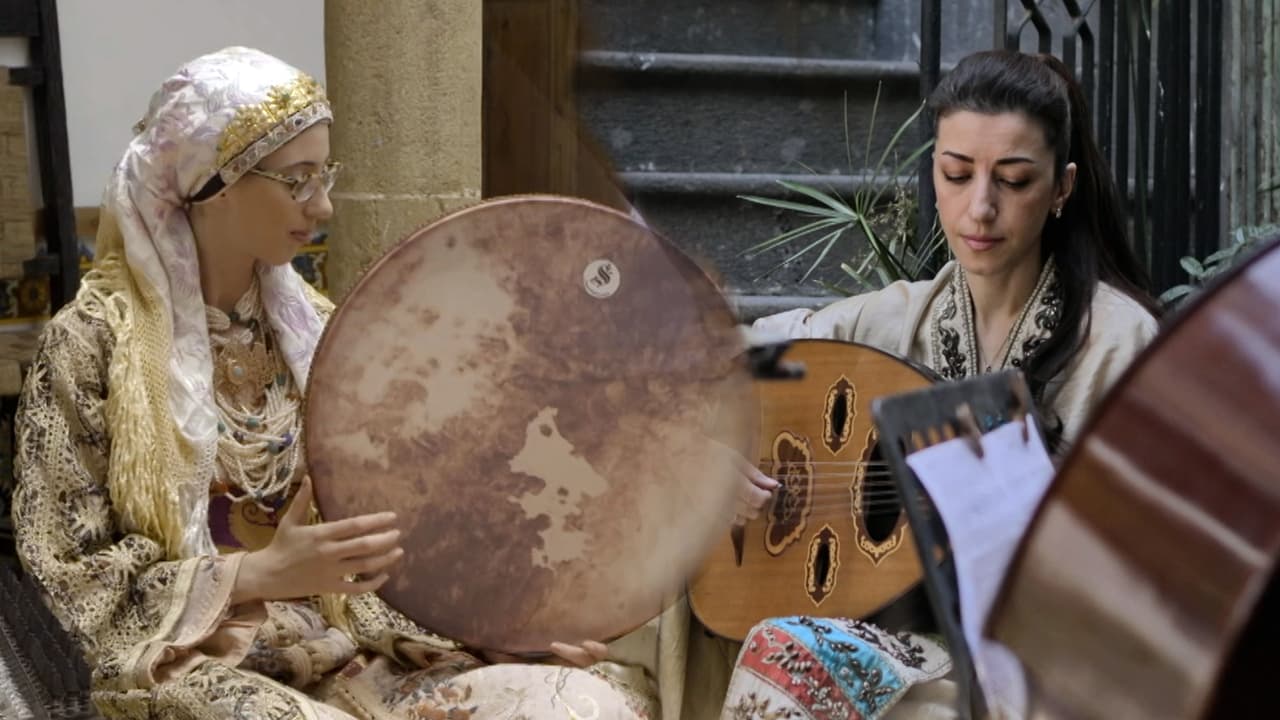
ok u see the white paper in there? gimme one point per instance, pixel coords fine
(986, 505)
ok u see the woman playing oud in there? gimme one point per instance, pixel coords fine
(1043, 280)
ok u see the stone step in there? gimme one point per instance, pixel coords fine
(699, 102)
(815, 28)
(766, 184)
(845, 29)
(668, 112)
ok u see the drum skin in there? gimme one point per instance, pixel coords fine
(547, 394)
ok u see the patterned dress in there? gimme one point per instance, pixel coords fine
(161, 635)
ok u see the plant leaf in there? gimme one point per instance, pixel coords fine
(1192, 266)
(834, 288)
(794, 206)
(1221, 255)
(790, 235)
(889, 263)
(859, 276)
(924, 260)
(1175, 293)
(893, 141)
(833, 236)
(830, 188)
(848, 148)
(897, 171)
(792, 258)
(832, 202)
(871, 129)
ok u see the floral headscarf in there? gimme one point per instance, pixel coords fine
(216, 118)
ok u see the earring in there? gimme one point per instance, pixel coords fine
(1057, 212)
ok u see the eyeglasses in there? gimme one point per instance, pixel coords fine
(304, 187)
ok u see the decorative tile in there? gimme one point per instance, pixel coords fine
(310, 264)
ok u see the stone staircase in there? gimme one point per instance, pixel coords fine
(700, 102)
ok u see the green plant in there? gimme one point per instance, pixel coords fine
(893, 251)
(1244, 241)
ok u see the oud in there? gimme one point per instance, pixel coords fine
(834, 541)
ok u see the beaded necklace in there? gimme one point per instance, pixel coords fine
(258, 405)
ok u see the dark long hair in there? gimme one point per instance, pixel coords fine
(1090, 242)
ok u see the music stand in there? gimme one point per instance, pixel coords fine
(911, 421)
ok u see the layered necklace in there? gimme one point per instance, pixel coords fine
(258, 404)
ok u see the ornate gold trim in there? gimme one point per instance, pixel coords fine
(829, 537)
(251, 122)
(836, 438)
(789, 512)
(875, 552)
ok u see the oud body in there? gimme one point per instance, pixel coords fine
(833, 542)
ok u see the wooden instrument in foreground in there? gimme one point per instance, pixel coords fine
(834, 541)
(543, 390)
(1147, 584)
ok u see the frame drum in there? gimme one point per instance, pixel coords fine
(545, 392)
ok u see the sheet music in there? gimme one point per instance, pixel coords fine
(986, 505)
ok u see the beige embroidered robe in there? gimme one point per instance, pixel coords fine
(914, 320)
(161, 635)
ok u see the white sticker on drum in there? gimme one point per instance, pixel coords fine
(601, 278)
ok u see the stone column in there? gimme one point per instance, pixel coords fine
(405, 82)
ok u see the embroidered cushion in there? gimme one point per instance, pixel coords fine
(803, 668)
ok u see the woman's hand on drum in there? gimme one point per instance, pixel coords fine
(584, 655)
(304, 560)
(588, 653)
